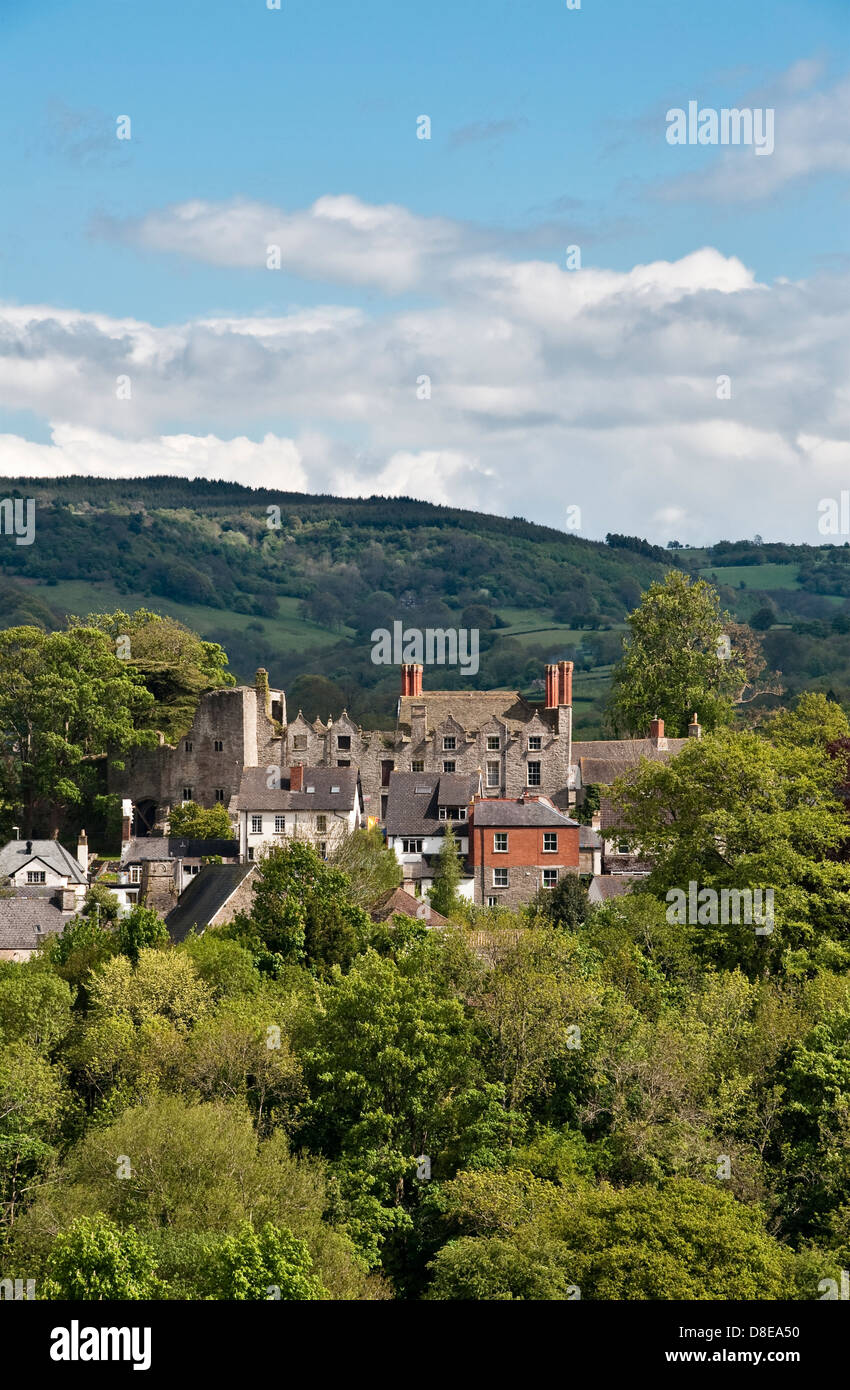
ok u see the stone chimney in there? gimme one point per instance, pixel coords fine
(296, 778)
(552, 684)
(565, 682)
(656, 733)
(83, 852)
(261, 684)
(694, 728)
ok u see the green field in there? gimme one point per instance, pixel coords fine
(754, 576)
(287, 630)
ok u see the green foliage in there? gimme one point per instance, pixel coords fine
(95, 1259)
(140, 928)
(371, 868)
(173, 663)
(270, 1263)
(65, 699)
(301, 910)
(449, 872)
(671, 666)
(683, 1240)
(200, 822)
(101, 904)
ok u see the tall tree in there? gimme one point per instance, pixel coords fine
(676, 660)
(65, 701)
(448, 876)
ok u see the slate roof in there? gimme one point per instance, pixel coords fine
(255, 795)
(418, 813)
(603, 760)
(205, 896)
(15, 856)
(161, 847)
(20, 918)
(606, 886)
(472, 709)
(588, 838)
(397, 900)
(493, 812)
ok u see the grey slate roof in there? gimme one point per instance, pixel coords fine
(15, 856)
(603, 760)
(20, 919)
(205, 896)
(418, 813)
(162, 847)
(492, 812)
(588, 838)
(255, 795)
(606, 886)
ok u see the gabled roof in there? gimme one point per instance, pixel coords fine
(15, 856)
(205, 897)
(493, 811)
(472, 709)
(162, 847)
(397, 900)
(24, 922)
(412, 812)
(336, 789)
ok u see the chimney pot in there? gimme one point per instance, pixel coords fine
(551, 687)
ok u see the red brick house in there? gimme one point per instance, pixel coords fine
(518, 846)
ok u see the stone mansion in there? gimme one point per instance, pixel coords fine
(519, 747)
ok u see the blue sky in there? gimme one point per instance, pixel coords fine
(548, 387)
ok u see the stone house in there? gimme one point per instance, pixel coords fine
(157, 868)
(318, 804)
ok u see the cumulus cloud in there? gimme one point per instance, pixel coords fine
(522, 389)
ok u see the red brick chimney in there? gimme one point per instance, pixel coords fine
(296, 778)
(656, 733)
(565, 682)
(552, 687)
(405, 680)
(415, 679)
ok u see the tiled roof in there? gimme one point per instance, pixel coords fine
(412, 812)
(161, 847)
(335, 790)
(205, 896)
(15, 855)
(397, 900)
(20, 919)
(472, 709)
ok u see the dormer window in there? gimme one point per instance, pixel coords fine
(449, 743)
(494, 743)
(299, 743)
(344, 742)
(535, 743)
(36, 876)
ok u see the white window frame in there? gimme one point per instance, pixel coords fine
(494, 773)
(538, 765)
(497, 836)
(550, 835)
(550, 874)
(449, 743)
(498, 874)
(280, 825)
(255, 828)
(535, 743)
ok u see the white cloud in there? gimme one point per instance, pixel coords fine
(812, 139)
(549, 388)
